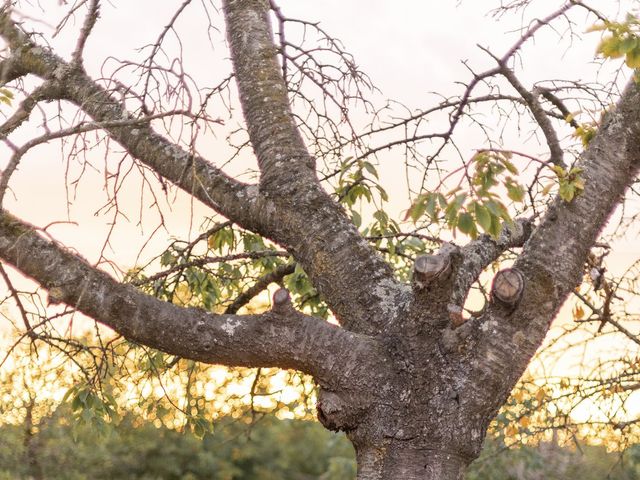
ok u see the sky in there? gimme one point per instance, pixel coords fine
(409, 48)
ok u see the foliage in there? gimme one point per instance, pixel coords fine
(570, 183)
(158, 394)
(260, 448)
(480, 206)
(134, 449)
(623, 40)
(6, 96)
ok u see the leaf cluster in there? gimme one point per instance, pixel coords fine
(622, 41)
(479, 208)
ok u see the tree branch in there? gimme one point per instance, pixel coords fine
(263, 94)
(85, 31)
(552, 261)
(480, 253)
(540, 116)
(261, 285)
(188, 171)
(354, 280)
(283, 338)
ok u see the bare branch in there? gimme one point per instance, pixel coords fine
(353, 279)
(275, 138)
(199, 262)
(87, 26)
(293, 340)
(260, 286)
(541, 117)
(188, 171)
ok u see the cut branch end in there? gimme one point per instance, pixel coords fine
(508, 286)
(428, 268)
(281, 298)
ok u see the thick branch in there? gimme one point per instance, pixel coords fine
(553, 259)
(354, 280)
(263, 94)
(480, 253)
(285, 339)
(190, 172)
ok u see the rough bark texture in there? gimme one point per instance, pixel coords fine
(411, 382)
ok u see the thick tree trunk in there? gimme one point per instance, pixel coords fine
(401, 461)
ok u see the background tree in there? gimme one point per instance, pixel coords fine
(409, 375)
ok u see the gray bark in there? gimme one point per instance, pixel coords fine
(413, 391)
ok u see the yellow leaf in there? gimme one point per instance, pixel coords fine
(596, 27)
(511, 430)
(518, 396)
(547, 188)
(524, 422)
(541, 394)
(182, 294)
(610, 47)
(578, 313)
(633, 58)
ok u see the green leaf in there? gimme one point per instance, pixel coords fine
(483, 217)
(510, 166)
(496, 226)
(356, 218)
(559, 171)
(383, 193)
(566, 191)
(628, 44)
(515, 192)
(498, 209)
(466, 224)
(381, 217)
(633, 58)
(417, 209)
(370, 168)
(432, 206)
(76, 403)
(442, 201)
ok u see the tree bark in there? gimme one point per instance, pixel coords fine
(401, 461)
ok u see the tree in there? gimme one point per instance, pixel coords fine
(411, 379)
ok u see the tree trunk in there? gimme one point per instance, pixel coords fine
(400, 460)
(30, 442)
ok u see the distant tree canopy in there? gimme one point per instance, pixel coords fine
(239, 449)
